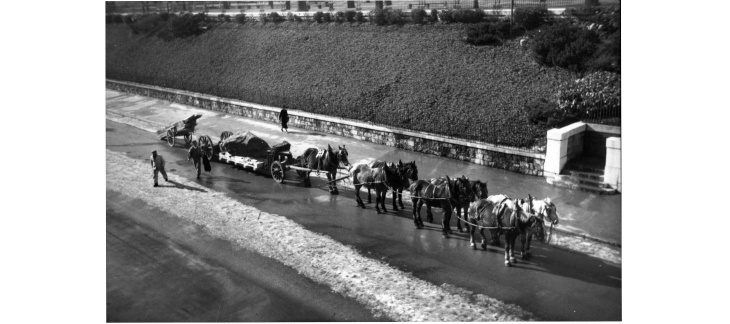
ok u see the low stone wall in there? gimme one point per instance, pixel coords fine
(479, 153)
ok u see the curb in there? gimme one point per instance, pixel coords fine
(586, 237)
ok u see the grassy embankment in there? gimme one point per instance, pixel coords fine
(417, 77)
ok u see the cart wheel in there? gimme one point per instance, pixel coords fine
(188, 138)
(277, 171)
(171, 137)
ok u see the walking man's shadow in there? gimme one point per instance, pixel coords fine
(180, 186)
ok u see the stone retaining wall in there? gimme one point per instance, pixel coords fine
(479, 153)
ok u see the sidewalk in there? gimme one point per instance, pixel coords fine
(581, 213)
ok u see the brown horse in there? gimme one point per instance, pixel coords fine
(441, 193)
(480, 191)
(329, 162)
(500, 213)
(403, 174)
(372, 178)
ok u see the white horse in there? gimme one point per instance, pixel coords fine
(544, 211)
(501, 214)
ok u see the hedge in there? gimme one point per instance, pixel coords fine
(419, 77)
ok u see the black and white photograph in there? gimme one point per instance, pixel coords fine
(296, 161)
(364, 161)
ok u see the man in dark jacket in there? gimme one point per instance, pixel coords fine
(158, 165)
(284, 118)
(195, 154)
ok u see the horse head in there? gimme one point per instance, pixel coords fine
(342, 155)
(479, 189)
(463, 188)
(545, 210)
(409, 170)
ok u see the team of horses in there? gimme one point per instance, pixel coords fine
(500, 214)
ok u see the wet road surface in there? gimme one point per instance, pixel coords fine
(580, 212)
(164, 269)
(554, 284)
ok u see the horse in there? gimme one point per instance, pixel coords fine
(500, 213)
(404, 173)
(545, 211)
(329, 162)
(372, 178)
(480, 191)
(441, 193)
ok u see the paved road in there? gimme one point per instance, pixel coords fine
(580, 212)
(163, 269)
(554, 285)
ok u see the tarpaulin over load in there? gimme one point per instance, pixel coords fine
(281, 147)
(185, 126)
(245, 144)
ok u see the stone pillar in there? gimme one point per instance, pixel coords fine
(562, 144)
(612, 172)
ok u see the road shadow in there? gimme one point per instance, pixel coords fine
(178, 185)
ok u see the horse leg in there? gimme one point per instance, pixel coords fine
(417, 203)
(471, 238)
(382, 194)
(527, 253)
(307, 182)
(429, 215)
(506, 252)
(484, 238)
(400, 197)
(458, 219)
(357, 195)
(370, 200)
(377, 200)
(523, 244)
(333, 185)
(395, 195)
(445, 222)
(512, 239)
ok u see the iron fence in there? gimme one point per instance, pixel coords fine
(269, 6)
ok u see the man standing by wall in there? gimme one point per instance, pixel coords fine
(158, 165)
(195, 154)
(284, 118)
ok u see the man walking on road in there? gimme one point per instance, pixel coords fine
(284, 118)
(158, 165)
(195, 154)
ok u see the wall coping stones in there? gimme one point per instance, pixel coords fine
(608, 129)
(295, 112)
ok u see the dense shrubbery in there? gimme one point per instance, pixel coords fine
(598, 95)
(418, 15)
(318, 17)
(275, 17)
(184, 26)
(114, 19)
(461, 15)
(350, 16)
(457, 90)
(241, 18)
(386, 17)
(565, 45)
(147, 24)
(545, 113)
(488, 33)
(359, 17)
(531, 17)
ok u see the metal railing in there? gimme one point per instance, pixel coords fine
(233, 7)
